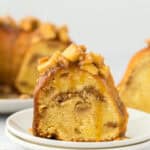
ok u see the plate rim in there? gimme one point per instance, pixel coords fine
(26, 144)
(51, 142)
(8, 106)
(3, 100)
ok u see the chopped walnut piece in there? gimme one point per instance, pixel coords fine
(73, 52)
(86, 60)
(63, 61)
(63, 34)
(7, 20)
(83, 47)
(29, 23)
(51, 62)
(97, 59)
(90, 68)
(47, 31)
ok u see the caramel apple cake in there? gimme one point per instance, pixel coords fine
(75, 98)
(21, 45)
(134, 88)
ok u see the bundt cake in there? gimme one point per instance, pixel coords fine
(21, 45)
(134, 88)
(75, 98)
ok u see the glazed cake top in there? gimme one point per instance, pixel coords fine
(77, 55)
(42, 30)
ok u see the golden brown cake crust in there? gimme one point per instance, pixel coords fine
(134, 88)
(94, 66)
(140, 54)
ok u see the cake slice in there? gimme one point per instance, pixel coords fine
(134, 88)
(75, 98)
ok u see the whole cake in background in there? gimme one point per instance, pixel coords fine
(21, 45)
(76, 100)
(134, 88)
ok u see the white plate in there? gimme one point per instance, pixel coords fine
(138, 131)
(34, 146)
(8, 106)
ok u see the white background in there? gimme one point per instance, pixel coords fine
(114, 28)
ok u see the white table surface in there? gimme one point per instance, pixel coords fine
(6, 144)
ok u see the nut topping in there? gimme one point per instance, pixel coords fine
(90, 68)
(63, 34)
(73, 52)
(90, 62)
(29, 23)
(7, 20)
(49, 63)
(47, 31)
